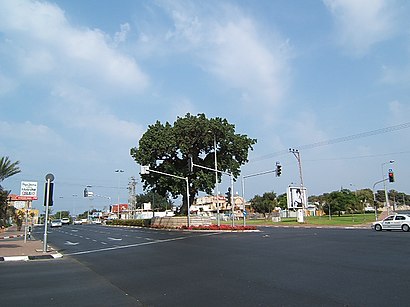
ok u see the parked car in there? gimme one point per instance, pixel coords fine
(393, 222)
(56, 223)
(65, 221)
(78, 222)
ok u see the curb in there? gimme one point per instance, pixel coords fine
(27, 258)
(10, 237)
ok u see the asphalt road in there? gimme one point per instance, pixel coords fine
(109, 266)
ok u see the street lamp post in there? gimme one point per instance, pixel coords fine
(74, 195)
(216, 184)
(384, 184)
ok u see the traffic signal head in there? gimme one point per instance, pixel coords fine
(85, 192)
(228, 195)
(391, 176)
(278, 169)
(190, 164)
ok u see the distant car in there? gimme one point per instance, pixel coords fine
(78, 222)
(393, 222)
(96, 222)
(56, 223)
(65, 221)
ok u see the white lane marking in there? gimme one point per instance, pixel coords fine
(114, 239)
(105, 243)
(74, 230)
(71, 243)
(140, 244)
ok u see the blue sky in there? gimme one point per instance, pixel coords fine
(80, 81)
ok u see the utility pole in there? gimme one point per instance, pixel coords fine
(296, 153)
(132, 195)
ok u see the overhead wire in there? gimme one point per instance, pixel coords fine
(335, 141)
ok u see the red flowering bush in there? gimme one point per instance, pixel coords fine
(221, 227)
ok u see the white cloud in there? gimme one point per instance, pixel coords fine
(47, 43)
(241, 59)
(362, 24)
(121, 36)
(87, 114)
(29, 139)
(236, 49)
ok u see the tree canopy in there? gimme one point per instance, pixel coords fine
(167, 149)
(265, 203)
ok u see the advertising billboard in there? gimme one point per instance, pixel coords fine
(29, 189)
(297, 197)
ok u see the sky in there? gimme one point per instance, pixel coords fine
(81, 81)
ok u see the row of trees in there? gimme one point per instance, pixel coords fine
(340, 201)
(7, 169)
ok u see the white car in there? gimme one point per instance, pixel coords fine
(56, 223)
(65, 220)
(78, 222)
(393, 222)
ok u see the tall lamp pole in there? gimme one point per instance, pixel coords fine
(216, 184)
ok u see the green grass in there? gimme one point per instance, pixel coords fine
(344, 220)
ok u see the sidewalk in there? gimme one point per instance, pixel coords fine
(13, 248)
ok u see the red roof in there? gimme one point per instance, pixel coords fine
(15, 197)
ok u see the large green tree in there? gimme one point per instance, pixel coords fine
(167, 148)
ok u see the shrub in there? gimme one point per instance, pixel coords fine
(139, 222)
(221, 227)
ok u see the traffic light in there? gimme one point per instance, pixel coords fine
(50, 193)
(391, 175)
(190, 164)
(228, 195)
(85, 192)
(278, 169)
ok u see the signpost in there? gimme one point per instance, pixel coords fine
(48, 192)
(29, 189)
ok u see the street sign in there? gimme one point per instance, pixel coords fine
(29, 189)
(19, 204)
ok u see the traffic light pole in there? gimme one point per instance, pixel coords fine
(374, 195)
(192, 164)
(146, 169)
(243, 185)
(49, 178)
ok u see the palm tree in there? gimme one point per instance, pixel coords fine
(7, 168)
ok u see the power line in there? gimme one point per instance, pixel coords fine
(336, 140)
